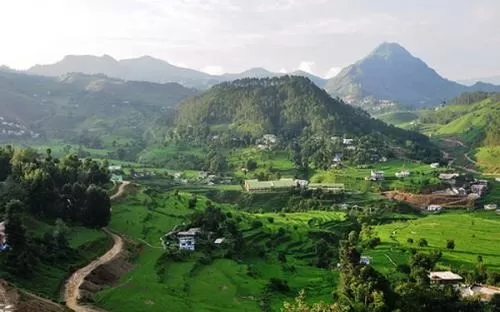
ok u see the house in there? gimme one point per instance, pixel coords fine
(114, 168)
(276, 185)
(478, 189)
(3, 237)
(402, 174)
(219, 241)
(383, 159)
(269, 139)
(435, 165)
(365, 260)
(376, 175)
(187, 239)
(347, 141)
(448, 176)
(334, 139)
(490, 207)
(336, 188)
(302, 183)
(116, 177)
(445, 278)
(337, 158)
(435, 208)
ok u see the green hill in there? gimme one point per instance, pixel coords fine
(289, 107)
(399, 119)
(472, 118)
(43, 107)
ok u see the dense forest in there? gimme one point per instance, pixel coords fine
(292, 108)
(66, 191)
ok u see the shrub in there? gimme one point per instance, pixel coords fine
(410, 240)
(450, 244)
(423, 242)
(277, 285)
(256, 224)
(371, 243)
(270, 219)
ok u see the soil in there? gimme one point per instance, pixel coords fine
(424, 200)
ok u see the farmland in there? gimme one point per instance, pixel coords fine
(475, 234)
(224, 284)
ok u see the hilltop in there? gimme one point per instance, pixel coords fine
(290, 107)
(392, 75)
(44, 107)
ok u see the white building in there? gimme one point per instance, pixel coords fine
(348, 141)
(402, 174)
(435, 165)
(490, 207)
(435, 208)
(365, 260)
(115, 168)
(187, 239)
(376, 175)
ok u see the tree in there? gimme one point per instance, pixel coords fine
(300, 305)
(423, 242)
(14, 228)
(97, 211)
(251, 165)
(450, 244)
(409, 240)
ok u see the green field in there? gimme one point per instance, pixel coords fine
(474, 234)
(224, 284)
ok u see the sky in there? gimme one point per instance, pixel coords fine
(458, 38)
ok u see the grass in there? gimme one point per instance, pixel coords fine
(474, 234)
(224, 284)
(398, 118)
(487, 159)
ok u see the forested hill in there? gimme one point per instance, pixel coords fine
(46, 107)
(290, 107)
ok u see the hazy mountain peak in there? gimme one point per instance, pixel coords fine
(390, 49)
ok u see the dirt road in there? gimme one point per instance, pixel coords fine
(120, 191)
(72, 287)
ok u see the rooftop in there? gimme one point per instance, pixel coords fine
(445, 275)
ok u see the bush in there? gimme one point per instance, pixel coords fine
(410, 240)
(270, 219)
(278, 285)
(371, 243)
(450, 244)
(256, 224)
(423, 242)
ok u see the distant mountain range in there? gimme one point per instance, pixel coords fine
(151, 69)
(388, 77)
(490, 79)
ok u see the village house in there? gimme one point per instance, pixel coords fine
(276, 185)
(478, 189)
(376, 176)
(497, 179)
(335, 188)
(187, 239)
(116, 177)
(3, 237)
(383, 159)
(445, 278)
(365, 260)
(337, 158)
(402, 174)
(434, 208)
(219, 241)
(448, 177)
(490, 207)
(435, 165)
(114, 168)
(347, 141)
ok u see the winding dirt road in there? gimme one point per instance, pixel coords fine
(72, 287)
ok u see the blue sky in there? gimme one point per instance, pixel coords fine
(460, 39)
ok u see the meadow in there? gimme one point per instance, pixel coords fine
(224, 284)
(475, 234)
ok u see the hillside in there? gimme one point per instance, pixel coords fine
(472, 118)
(43, 107)
(290, 107)
(147, 68)
(391, 73)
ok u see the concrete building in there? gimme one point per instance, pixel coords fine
(187, 239)
(445, 278)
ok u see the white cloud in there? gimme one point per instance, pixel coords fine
(283, 71)
(213, 70)
(332, 72)
(306, 66)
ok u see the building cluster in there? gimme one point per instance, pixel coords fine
(472, 189)
(14, 129)
(287, 184)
